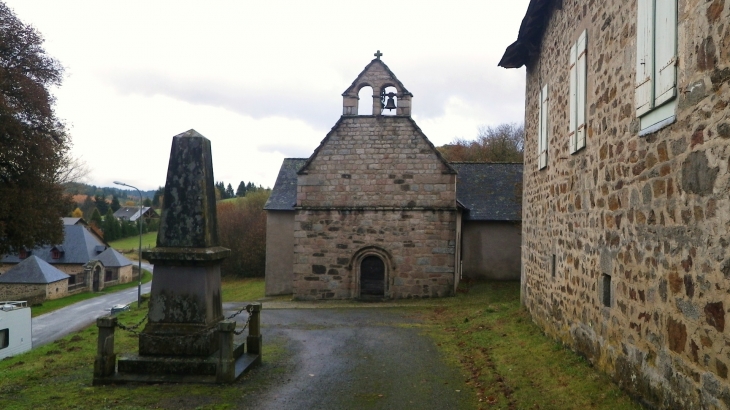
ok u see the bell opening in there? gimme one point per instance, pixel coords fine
(389, 101)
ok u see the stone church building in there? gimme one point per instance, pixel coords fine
(626, 223)
(374, 212)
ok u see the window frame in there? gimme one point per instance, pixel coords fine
(655, 96)
(543, 129)
(578, 71)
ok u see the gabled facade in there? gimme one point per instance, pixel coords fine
(374, 211)
(625, 216)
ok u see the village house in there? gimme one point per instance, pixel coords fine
(85, 260)
(626, 215)
(131, 213)
(375, 211)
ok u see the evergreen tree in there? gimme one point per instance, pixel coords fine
(115, 204)
(229, 191)
(157, 197)
(250, 187)
(111, 226)
(147, 202)
(241, 191)
(101, 204)
(96, 218)
(88, 207)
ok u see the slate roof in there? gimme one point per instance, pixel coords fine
(74, 221)
(131, 213)
(79, 246)
(110, 258)
(33, 270)
(528, 40)
(284, 195)
(489, 190)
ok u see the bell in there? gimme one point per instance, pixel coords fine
(390, 105)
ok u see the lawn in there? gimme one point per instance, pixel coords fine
(149, 240)
(506, 360)
(55, 304)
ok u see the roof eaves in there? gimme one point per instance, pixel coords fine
(530, 35)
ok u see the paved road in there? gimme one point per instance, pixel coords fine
(61, 322)
(370, 358)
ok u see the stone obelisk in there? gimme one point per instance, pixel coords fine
(185, 302)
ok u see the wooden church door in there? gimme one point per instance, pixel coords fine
(372, 277)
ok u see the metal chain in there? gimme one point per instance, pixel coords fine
(133, 329)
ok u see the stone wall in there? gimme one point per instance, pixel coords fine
(57, 290)
(491, 250)
(376, 162)
(32, 293)
(416, 246)
(376, 186)
(643, 218)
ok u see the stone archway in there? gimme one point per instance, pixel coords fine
(373, 267)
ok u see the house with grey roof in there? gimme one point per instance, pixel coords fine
(490, 199)
(131, 213)
(33, 280)
(73, 257)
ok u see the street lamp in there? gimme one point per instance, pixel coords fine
(139, 254)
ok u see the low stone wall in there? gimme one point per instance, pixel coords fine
(32, 293)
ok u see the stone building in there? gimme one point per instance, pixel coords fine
(374, 211)
(34, 281)
(81, 245)
(625, 205)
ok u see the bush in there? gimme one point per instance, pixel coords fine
(242, 229)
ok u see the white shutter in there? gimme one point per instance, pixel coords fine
(665, 51)
(543, 137)
(573, 99)
(644, 56)
(581, 67)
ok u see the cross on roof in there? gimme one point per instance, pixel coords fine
(378, 54)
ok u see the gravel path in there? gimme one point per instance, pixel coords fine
(355, 358)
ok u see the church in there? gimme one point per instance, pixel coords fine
(377, 212)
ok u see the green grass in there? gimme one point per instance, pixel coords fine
(149, 240)
(507, 359)
(58, 376)
(242, 290)
(55, 304)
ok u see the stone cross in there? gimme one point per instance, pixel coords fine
(378, 54)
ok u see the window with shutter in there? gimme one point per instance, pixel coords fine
(578, 69)
(542, 140)
(656, 63)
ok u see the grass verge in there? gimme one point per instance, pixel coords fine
(149, 240)
(508, 361)
(58, 376)
(55, 304)
(242, 290)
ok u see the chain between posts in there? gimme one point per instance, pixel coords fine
(133, 328)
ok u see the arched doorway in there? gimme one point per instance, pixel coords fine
(372, 277)
(97, 274)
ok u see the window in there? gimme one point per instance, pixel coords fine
(23, 254)
(578, 93)
(55, 254)
(656, 63)
(605, 290)
(553, 265)
(542, 131)
(4, 338)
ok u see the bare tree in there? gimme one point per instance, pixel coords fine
(503, 143)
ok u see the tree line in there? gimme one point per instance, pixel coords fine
(501, 143)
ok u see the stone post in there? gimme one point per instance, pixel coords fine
(185, 301)
(226, 370)
(254, 339)
(105, 363)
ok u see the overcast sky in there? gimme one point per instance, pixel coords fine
(263, 80)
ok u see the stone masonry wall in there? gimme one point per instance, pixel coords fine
(416, 246)
(375, 186)
(376, 161)
(652, 213)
